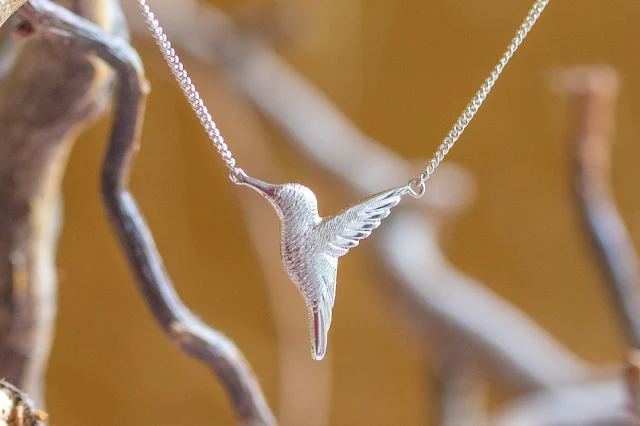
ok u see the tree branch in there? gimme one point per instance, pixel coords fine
(8, 8)
(463, 393)
(50, 94)
(594, 92)
(17, 409)
(455, 310)
(188, 332)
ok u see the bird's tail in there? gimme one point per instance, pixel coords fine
(319, 322)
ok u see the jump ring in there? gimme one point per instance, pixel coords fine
(417, 188)
(236, 175)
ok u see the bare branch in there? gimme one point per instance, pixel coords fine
(50, 94)
(594, 92)
(8, 8)
(453, 309)
(463, 394)
(16, 408)
(632, 378)
(188, 332)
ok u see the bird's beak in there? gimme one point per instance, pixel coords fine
(266, 189)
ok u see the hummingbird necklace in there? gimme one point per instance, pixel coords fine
(310, 244)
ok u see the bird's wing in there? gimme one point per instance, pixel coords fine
(320, 311)
(344, 231)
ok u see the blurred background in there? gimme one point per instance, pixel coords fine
(401, 71)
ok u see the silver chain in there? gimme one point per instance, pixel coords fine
(416, 185)
(176, 66)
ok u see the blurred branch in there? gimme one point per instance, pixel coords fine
(188, 332)
(594, 92)
(514, 346)
(194, 337)
(48, 96)
(632, 379)
(16, 409)
(462, 396)
(8, 8)
(456, 311)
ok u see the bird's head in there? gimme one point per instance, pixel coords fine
(288, 199)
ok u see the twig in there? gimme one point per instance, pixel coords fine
(632, 379)
(457, 311)
(188, 332)
(332, 141)
(17, 409)
(462, 396)
(50, 95)
(8, 8)
(594, 93)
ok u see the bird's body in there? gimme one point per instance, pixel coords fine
(311, 245)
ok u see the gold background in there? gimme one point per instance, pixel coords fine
(402, 71)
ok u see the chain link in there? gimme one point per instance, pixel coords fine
(472, 108)
(177, 68)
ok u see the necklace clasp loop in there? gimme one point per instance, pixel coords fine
(417, 187)
(237, 175)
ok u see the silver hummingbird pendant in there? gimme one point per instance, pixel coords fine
(311, 245)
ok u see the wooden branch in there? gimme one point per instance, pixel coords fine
(463, 395)
(455, 310)
(8, 8)
(48, 97)
(17, 409)
(594, 92)
(514, 345)
(632, 380)
(185, 330)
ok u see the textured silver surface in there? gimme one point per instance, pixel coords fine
(311, 245)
